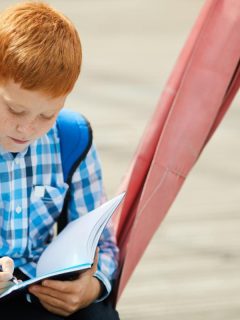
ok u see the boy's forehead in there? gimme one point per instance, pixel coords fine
(12, 92)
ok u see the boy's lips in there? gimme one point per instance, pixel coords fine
(19, 141)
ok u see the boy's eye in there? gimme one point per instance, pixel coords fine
(47, 117)
(14, 111)
(11, 110)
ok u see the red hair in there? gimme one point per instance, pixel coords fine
(39, 48)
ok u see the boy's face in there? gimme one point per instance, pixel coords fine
(25, 115)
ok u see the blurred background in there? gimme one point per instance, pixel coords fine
(190, 270)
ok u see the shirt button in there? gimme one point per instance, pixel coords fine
(17, 160)
(18, 209)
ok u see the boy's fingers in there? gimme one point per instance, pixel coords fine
(95, 263)
(5, 276)
(7, 265)
(93, 269)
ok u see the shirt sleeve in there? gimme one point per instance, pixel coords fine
(87, 193)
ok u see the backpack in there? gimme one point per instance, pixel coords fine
(75, 135)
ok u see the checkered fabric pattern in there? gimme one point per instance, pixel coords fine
(32, 193)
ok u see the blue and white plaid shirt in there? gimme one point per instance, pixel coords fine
(27, 217)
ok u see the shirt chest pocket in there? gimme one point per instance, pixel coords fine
(46, 203)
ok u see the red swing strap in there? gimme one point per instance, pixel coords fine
(196, 97)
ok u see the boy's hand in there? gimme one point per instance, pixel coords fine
(6, 274)
(66, 297)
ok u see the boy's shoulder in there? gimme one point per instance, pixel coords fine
(70, 137)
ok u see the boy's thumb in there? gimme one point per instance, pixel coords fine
(95, 263)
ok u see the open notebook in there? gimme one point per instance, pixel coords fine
(74, 248)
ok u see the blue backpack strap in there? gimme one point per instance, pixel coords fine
(75, 136)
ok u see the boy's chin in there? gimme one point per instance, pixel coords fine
(15, 148)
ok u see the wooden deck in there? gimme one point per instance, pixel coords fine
(191, 269)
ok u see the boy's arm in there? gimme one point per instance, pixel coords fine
(66, 297)
(88, 193)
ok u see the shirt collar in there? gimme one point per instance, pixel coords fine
(8, 155)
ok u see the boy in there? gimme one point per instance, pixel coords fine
(40, 60)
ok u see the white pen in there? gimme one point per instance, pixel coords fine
(14, 280)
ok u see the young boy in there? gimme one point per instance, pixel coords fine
(40, 60)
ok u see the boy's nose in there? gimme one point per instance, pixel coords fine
(26, 129)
